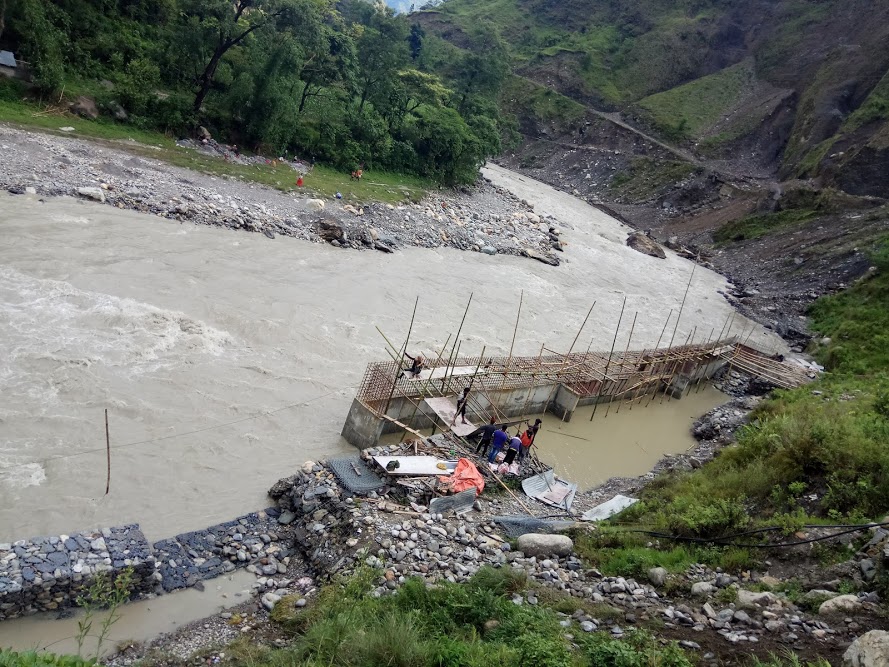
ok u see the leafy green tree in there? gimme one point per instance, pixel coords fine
(415, 40)
(224, 25)
(382, 52)
(331, 66)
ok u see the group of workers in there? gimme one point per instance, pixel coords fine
(497, 438)
(492, 435)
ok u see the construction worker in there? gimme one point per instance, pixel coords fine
(461, 406)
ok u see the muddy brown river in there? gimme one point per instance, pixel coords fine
(226, 359)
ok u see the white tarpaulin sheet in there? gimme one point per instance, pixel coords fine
(416, 465)
(609, 508)
(549, 489)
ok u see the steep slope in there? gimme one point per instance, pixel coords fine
(798, 88)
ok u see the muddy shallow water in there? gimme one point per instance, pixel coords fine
(226, 359)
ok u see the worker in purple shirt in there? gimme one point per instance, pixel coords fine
(497, 441)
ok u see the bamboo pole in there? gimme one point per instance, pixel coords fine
(629, 338)
(512, 344)
(107, 454)
(398, 369)
(653, 356)
(414, 413)
(679, 362)
(567, 357)
(608, 363)
(459, 329)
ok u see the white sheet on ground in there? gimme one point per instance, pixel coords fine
(609, 508)
(416, 465)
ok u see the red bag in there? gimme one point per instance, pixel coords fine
(464, 477)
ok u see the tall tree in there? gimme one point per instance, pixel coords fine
(382, 52)
(227, 24)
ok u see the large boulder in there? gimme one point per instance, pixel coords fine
(314, 205)
(752, 599)
(657, 576)
(84, 107)
(330, 230)
(842, 604)
(870, 650)
(645, 244)
(540, 544)
(96, 194)
(702, 589)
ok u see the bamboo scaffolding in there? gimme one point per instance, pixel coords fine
(610, 355)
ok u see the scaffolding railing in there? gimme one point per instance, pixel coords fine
(584, 373)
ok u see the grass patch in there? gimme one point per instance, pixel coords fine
(619, 552)
(527, 99)
(811, 454)
(474, 624)
(646, 177)
(322, 181)
(689, 110)
(757, 226)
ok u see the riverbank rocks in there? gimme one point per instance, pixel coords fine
(96, 194)
(469, 219)
(541, 544)
(869, 650)
(842, 604)
(657, 576)
(643, 243)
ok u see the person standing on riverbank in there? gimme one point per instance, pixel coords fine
(487, 433)
(497, 441)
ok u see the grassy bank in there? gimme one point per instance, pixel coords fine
(475, 624)
(322, 181)
(813, 454)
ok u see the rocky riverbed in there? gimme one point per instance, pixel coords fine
(708, 611)
(484, 218)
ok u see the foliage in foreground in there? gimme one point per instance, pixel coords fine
(32, 659)
(447, 625)
(817, 452)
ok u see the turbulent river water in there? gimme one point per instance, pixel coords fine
(226, 359)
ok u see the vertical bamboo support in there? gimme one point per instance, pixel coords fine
(457, 337)
(608, 363)
(567, 357)
(107, 454)
(398, 368)
(653, 357)
(626, 351)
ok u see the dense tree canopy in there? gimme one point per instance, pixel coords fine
(343, 83)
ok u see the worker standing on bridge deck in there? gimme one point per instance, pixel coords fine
(461, 406)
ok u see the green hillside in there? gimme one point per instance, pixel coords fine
(802, 80)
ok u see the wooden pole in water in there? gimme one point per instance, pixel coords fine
(608, 363)
(626, 351)
(673, 366)
(653, 356)
(107, 454)
(398, 369)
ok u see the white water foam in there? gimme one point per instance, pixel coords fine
(48, 325)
